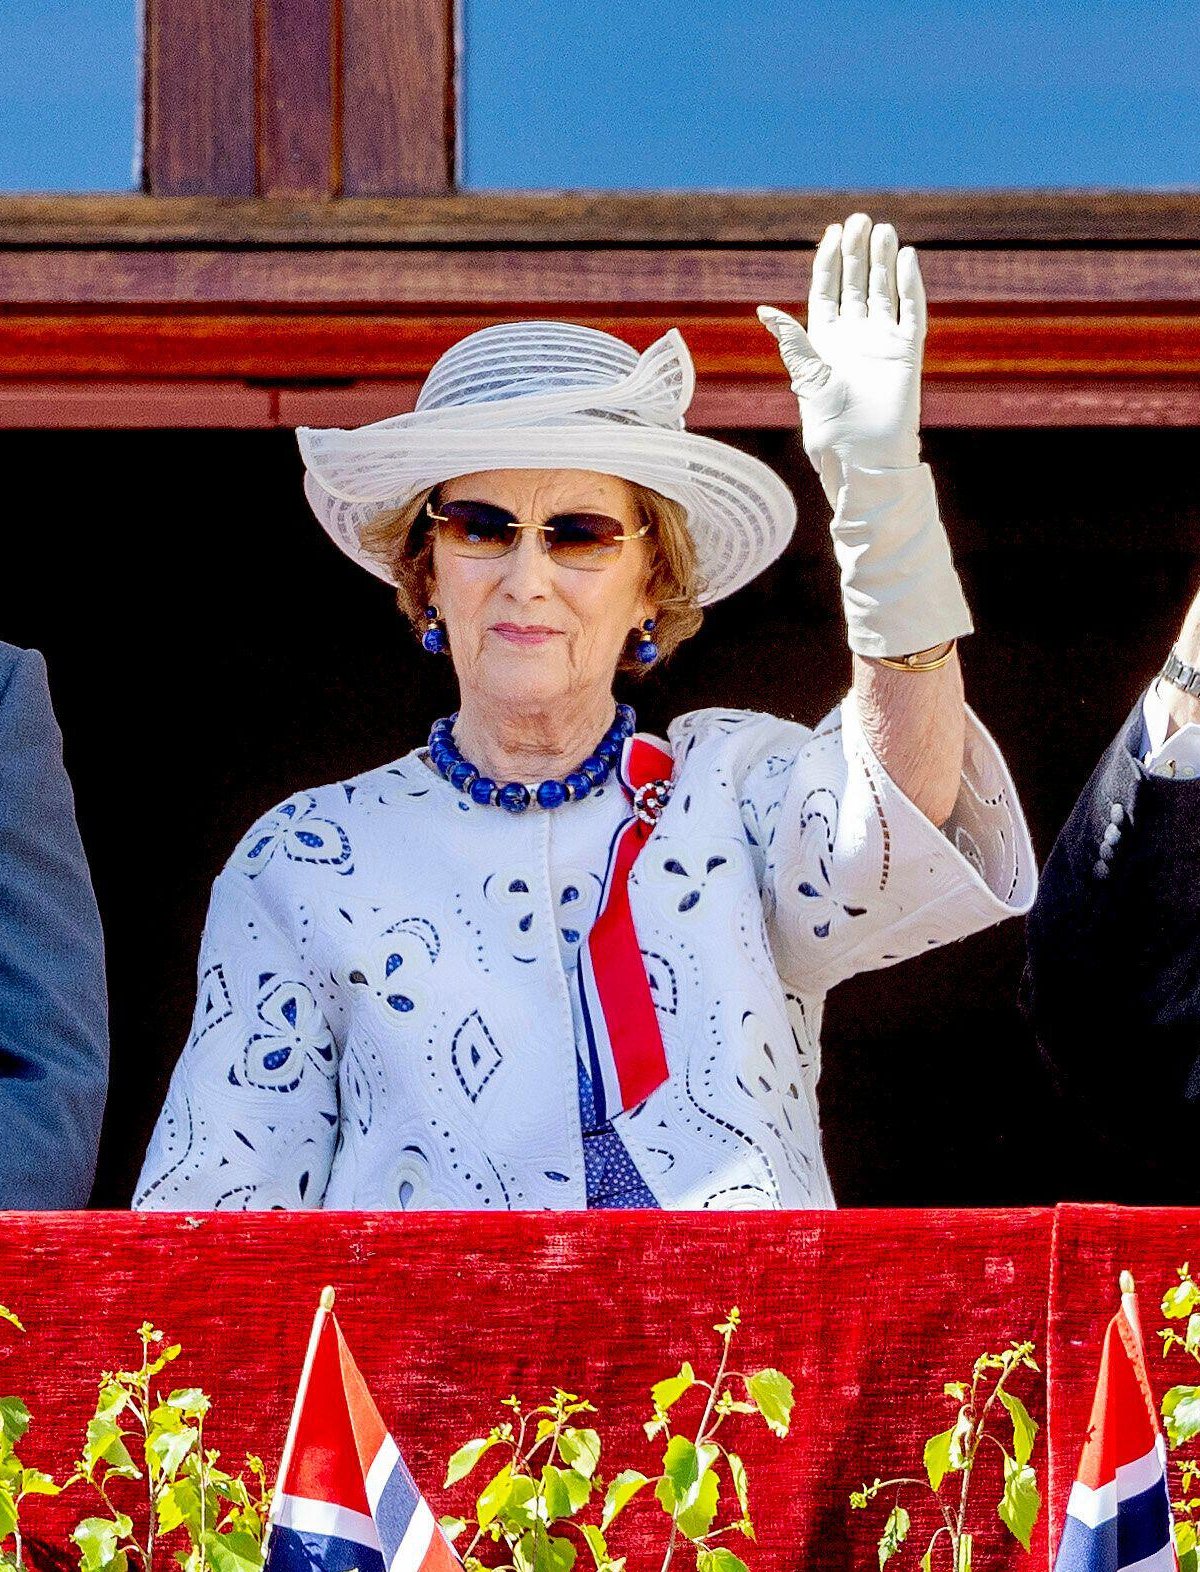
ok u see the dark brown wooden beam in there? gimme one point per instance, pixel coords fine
(236, 320)
(303, 346)
(298, 137)
(86, 405)
(515, 281)
(719, 404)
(1010, 220)
(201, 95)
(396, 83)
(304, 99)
(753, 403)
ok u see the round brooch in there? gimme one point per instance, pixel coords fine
(650, 800)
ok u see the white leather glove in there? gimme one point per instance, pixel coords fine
(857, 375)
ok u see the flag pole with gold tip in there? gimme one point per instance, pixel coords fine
(324, 1308)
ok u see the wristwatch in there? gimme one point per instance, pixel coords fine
(1182, 676)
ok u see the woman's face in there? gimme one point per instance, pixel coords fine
(526, 632)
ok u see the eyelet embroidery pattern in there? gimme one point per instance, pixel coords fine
(386, 1018)
(296, 829)
(243, 1163)
(213, 1004)
(682, 872)
(808, 1050)
(514, 894)
(877, 789)
(750, 919)
(759, 821)
(685, 1128)
(577, 892)
(754, 1157)
(979, 826)
(398, 785)
(818, 833)
(777, 1081)
(474, 1055)
(664, 988)
(511, 894)
(358, 1080)
(393, 971)
(295, 1036)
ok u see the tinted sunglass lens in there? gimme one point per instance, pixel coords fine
(585, 539)
(480, 529)
(477, 528)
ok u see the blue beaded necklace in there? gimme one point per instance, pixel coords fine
(515, 797)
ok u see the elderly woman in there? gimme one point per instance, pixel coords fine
(546, 961)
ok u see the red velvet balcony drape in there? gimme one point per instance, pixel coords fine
(868, 1312)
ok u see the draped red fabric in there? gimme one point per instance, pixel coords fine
(1093, 1245)
(869, 1313)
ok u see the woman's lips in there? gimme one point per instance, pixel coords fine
(514, 633)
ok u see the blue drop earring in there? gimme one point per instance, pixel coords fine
(647, 650)
(434, 637)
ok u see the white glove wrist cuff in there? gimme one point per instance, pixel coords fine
(833, 467)
(900, 590)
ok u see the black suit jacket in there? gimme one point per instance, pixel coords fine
(53, 1015)
(1112, 983)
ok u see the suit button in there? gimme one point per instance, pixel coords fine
(1116, 812)
(1111, 835)
(1101, 870)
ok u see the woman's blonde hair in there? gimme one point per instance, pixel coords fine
(402, 543)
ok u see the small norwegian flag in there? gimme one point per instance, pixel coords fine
(1119, 1510)
(344, 1498)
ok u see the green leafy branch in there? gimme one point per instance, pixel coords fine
(688, 1489)
(956, 1452)
(549, 1475)
(222, 1515)
(1181, 1413)
(16, 1480)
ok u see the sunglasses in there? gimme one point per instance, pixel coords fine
(574, 540)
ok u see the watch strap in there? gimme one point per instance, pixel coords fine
(1181, 675)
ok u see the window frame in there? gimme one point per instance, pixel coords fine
(300, 253)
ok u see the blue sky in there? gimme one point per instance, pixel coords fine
(68, 91)
(709, 93)
(771, 93)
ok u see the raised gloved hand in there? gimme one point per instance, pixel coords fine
(857, 375)
(857, 370)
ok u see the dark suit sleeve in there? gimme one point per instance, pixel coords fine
(1112, 983)
(53, 1009)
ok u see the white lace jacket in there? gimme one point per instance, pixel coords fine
(385, 1016)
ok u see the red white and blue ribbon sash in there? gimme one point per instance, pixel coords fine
(625, 1047)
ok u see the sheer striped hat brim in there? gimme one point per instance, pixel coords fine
(551, 395)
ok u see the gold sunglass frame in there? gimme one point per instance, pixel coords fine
(545, 529)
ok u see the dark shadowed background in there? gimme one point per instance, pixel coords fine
(210, 652)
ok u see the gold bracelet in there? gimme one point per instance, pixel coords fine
(916, 662)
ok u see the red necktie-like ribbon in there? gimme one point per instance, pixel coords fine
(625, 1046)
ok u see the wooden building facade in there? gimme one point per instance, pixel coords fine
(300, 254)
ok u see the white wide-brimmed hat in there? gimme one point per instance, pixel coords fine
(552, 395)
